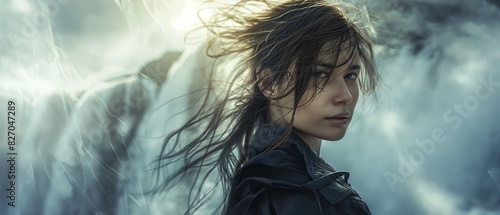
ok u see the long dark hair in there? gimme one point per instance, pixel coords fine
(278, 36)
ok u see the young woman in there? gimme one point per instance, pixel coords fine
(303, 64)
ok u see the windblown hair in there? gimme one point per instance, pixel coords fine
(262, 36)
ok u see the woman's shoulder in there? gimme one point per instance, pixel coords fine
(270, 180)
(277, 182)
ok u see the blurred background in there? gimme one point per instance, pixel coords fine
(97, 85)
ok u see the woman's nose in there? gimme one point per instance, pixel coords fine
(343, 94)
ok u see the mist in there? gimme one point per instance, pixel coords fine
(97, 86)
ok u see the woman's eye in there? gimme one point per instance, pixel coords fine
(321, 74)
(352, 76)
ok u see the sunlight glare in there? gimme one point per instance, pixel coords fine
(22, 6)
(188, 19)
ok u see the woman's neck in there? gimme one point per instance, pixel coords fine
(313, 142)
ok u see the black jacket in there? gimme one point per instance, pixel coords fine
(291, 179)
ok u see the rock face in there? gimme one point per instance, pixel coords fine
(157, 69)
(76, 148)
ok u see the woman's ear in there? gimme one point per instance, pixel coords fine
(265, 82)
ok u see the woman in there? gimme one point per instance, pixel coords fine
(302, 65)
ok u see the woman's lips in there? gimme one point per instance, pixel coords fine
(339, 116)
(339, 119)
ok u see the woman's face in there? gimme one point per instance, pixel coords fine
(328, 114)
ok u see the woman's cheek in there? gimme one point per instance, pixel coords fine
(354, 90)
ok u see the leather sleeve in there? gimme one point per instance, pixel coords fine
(274, 188)
(262, 199)
(264, 196)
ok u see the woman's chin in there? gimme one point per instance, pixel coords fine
(333, 137)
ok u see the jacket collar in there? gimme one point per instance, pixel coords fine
(320, 172)
(268, 134)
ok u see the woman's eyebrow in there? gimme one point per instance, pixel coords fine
(354, 67)
(326, 65)
(331, 66)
